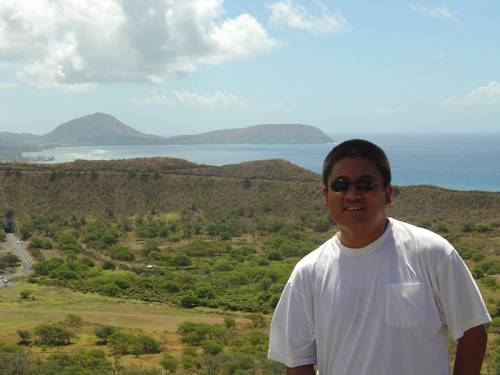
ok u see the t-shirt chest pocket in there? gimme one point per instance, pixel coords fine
(406, 305)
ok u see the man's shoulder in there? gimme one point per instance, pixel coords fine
(419, 237)
(316, 256)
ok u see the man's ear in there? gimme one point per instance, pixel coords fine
(325, 194)
(388, 195)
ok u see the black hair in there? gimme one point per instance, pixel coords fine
(358, 148)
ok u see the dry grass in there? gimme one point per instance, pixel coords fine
(50, 305)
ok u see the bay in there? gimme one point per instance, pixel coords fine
(459, 161)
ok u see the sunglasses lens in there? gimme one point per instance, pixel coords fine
(339, 186)
(362, 185)
(365, 185)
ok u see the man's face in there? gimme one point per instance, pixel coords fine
(359, 214)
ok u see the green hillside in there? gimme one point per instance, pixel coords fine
(168, 185)
(185, 261)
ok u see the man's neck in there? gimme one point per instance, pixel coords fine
(361, 238)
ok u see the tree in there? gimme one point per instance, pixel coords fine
(212, 347)
(148, 344)
(149, 246)
(121, 342)
(257, 319)
(26, 230)
(44, 267)
(189, 301)
(73, 320)
(182, 260)
(468, 226)
(120, 252)
(53, 335)
(256, 337)
(25, 336)
(25, 293)
(9, 261)
(13, 360)
(194, 333)
(229, 322)
(170, 286)
(36, 243)
(104, 333)
(169, 363)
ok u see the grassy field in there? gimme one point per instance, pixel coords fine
(49, 305)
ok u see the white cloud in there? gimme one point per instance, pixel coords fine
(441, 55)
(443, 12)
(386, 111)
(483, 96)
(190, 99)
(74, 44)
(285, 13)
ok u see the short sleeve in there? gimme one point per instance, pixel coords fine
(292, 340)
(460, 299)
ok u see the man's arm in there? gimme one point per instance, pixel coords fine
(301, 370)
(470, 351)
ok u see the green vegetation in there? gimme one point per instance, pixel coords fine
(172, 264)
(218, 241)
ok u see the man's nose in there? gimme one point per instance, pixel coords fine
(352, 191)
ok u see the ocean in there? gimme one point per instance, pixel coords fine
(456, 161)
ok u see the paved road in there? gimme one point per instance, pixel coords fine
(26, 262)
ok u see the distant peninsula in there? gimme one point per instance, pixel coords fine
(100, 129)
(257, 134)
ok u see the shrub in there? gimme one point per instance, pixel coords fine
(483, 228)
(110, 290)
(229, 322)
(73, 320)
(169, 363)
(256, 337)
(424, 223)
(275, 255)
(212, 347)
(108, 265)
(490, 283)
(148, 344)
(189, 302)
(468, 226)
(477, 273)
(170, 287)
(25, 293)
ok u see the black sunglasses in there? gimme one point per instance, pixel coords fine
(362, 185)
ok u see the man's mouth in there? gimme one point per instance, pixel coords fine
(353, 208)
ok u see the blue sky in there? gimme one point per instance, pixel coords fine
(171, 67)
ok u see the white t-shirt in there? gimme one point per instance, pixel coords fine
(380, 310)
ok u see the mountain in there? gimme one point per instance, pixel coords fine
(9, 139)
(102, 129)
(258, 134)
(97, 129)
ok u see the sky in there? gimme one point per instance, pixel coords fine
(174, 67)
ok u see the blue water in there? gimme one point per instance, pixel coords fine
(452, 161)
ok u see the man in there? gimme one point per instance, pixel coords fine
(378, 297)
